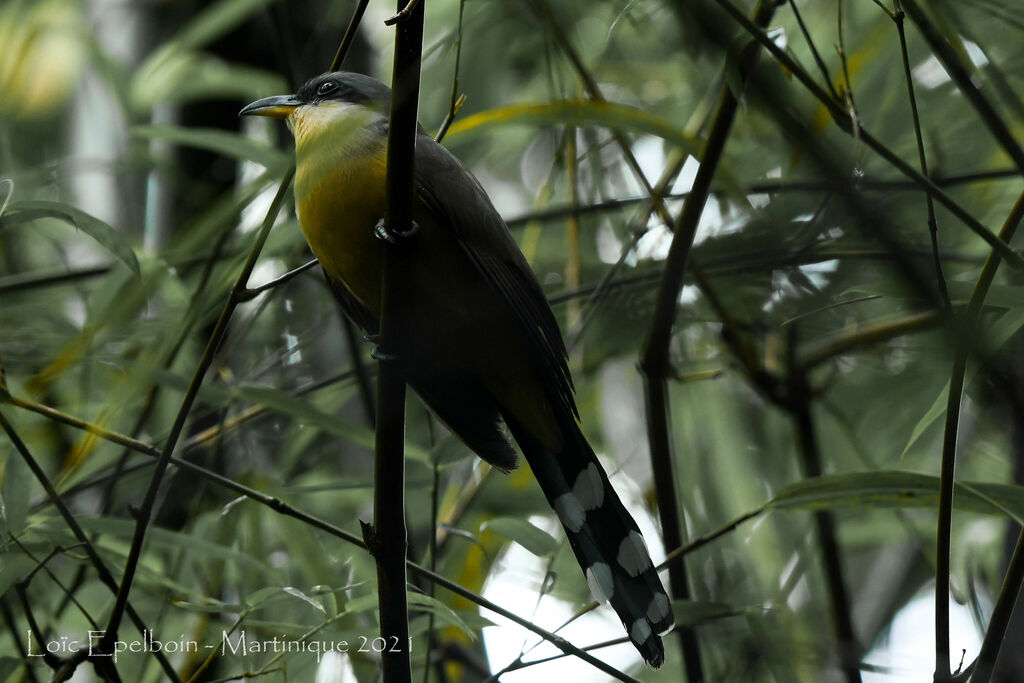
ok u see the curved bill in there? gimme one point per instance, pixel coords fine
(278, 106)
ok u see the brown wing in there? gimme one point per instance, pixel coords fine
(447, 189)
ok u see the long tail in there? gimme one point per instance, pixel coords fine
(603, 535)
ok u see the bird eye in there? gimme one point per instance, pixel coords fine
(326, 88)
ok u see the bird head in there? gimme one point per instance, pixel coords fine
(324, 102)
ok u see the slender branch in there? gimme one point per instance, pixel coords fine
(869, 335)
(969, 321)
(359, 369)
(455, 101)
(810, 459)
(702, 541)
(933, 225)
(42, 564)
(250, 294)
(350, 35)
(387, 538)
(814, 50)
(847, 91)
(654, 361)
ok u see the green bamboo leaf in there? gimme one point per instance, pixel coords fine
(15, 485)
(610, 115)
(260, 596)
(579, 113)
(296, 593)
(208, 605)
(897, 489)
(112, 240)
(214, 140)
(445, 614)
(535, 540)
(157, 537)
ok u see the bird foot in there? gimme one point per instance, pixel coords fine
(382, 231)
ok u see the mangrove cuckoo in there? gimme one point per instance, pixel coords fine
(480, 346)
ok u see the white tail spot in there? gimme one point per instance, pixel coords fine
(589, 487)
(570, 512)
(640, 631)
(659, 611)
(599, 578)
(633, 555)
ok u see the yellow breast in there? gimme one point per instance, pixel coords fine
(340, 192)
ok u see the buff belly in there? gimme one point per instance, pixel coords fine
(338, 212)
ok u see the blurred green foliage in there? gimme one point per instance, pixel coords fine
(128, 198)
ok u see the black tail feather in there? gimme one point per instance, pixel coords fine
(604, 537)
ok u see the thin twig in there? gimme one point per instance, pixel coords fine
(350, 35)
(814, 50)
(847, 92)
(404, 12)
(637, 229)
(41, 565)
(455, 101)
(702, 541)
(250, 294)
(933, 225)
